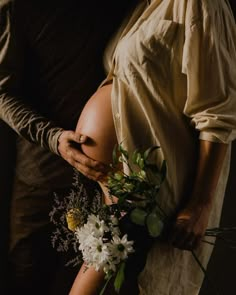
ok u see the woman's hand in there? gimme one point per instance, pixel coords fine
(191, 222)
(190, 226)
(69, 149)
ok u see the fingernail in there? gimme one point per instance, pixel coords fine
(80, 138)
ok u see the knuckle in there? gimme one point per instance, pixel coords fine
(82, 163)
(70, 153)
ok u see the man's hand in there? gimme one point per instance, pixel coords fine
(69, 149)
(189, 227)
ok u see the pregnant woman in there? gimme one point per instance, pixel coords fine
(171, 82)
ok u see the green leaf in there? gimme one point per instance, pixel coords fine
(114, 155)
(108, 278)
(128, 187)
(118, 176)
(138, 158)
(134, 156)
(149, 151)
(163, 169)
(154, 224)
(138, 216)
(120, 277)
(123, 151)
(142, 174)
(141, 163)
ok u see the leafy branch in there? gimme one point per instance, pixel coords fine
(137, 191)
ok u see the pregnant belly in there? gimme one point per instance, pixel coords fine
(96, 122)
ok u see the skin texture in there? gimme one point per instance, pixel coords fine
(89, 147)
(69, 148)
(96, 124)
(87, 281)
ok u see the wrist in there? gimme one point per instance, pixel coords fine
(56, 141)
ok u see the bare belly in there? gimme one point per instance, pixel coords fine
(96, 122)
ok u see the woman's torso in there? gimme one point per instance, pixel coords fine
(96, 122)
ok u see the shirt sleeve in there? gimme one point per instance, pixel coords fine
(209, 61)
(13, 110)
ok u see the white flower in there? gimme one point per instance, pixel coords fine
(99, 251)
(94, 228)
(121, 247)
(99, 254)
(86, 248)
(99, 226)
(84, 235)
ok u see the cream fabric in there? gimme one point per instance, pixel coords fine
(174, 81)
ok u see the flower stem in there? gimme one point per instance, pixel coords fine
(105, 285)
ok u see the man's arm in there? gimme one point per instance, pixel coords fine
(24, 120)
(19, 116)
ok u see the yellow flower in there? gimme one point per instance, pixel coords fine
(73, 219)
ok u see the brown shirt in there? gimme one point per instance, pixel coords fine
(51, 62)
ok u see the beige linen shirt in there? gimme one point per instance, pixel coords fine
(174, 81)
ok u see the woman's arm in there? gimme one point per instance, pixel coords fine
(87, 282)
(192, 220)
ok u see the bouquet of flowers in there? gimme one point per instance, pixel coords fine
(103, 236)
(102, 242)
(99, 234)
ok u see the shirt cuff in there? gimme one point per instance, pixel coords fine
(219, 136)
(54, 135)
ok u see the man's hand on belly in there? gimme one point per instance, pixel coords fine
(69, 148)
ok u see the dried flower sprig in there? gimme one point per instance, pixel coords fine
(70, 211)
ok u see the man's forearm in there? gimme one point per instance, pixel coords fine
(28, 123)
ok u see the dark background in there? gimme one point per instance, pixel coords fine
(221, 269)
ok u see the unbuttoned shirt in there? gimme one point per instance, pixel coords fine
(173, 68)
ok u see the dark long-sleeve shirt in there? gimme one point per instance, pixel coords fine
(50, 64)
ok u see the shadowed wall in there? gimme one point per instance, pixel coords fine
(221, 269)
